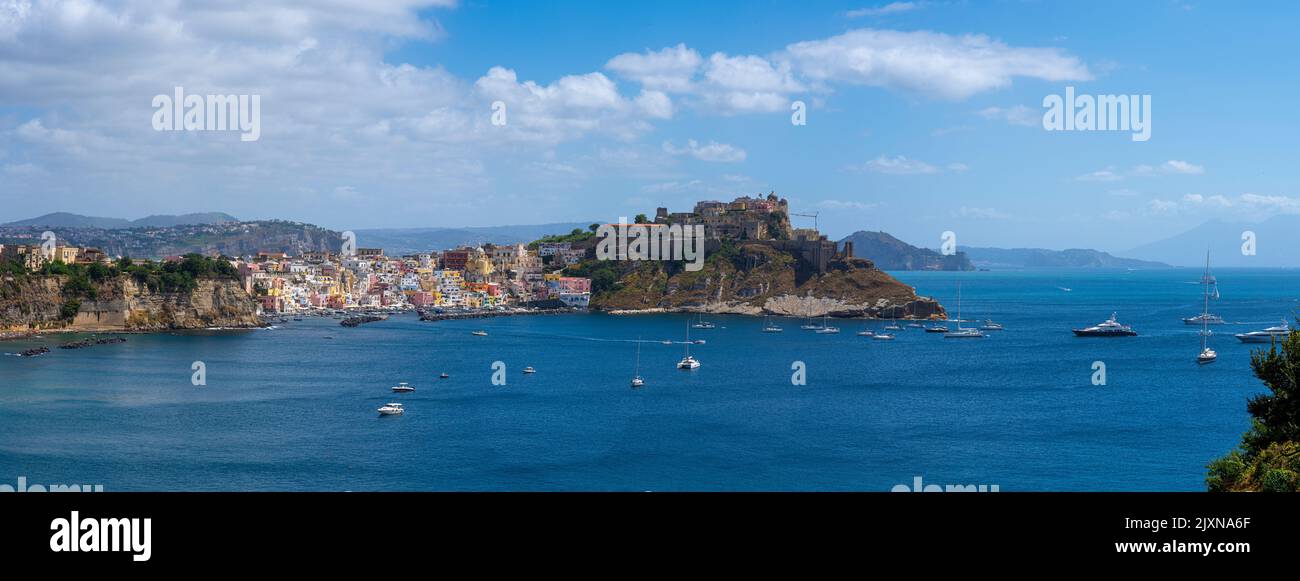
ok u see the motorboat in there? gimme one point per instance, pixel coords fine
(479, 333)
(1268, 335)
(1109, 328)
(883, 337)
(443, 375)
(937, 329)
(530, 369)
(403, 387)
(989, 325)
(392, 409)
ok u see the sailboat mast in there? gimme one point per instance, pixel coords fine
(1205, 312)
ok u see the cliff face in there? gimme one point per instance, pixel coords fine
(756, 279)
(38, 303)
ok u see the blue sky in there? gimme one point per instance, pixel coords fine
(922, 116)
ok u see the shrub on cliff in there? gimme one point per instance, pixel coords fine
(1268, 458)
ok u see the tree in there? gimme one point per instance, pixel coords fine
(592, 227)
(642, 219)
(1268, 458)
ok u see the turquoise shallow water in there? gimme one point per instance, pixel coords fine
(294, 408)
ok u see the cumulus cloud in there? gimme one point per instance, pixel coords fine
(897, 165)
(885, 10)
(711, 151)
(1171, 167)
(929, 63)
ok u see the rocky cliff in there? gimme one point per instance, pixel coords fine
(121, 304)
(755, 279)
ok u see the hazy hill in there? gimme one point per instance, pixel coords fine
(1277, 243)
(70, 220)
(1044, 258)
(398, 241)
(889, 253)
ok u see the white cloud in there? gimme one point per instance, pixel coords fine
(711, 151)
(898, 165)
(929, 63)
(885, 10)
(847, 205)
(1016, 115)
(668, 69)
(1171, 167)
(982, 213)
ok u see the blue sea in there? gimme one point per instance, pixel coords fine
(293, 408)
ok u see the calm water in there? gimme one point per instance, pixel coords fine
(294, 408)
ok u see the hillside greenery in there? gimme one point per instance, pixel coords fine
(1268, 458)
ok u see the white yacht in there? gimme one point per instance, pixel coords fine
(768, 327)
(989, 325)
(1207, 355)
(702, 324)
(1279, 332)
(961, 333)
(883, 337)
(866, 333)
(530, 369)
(1110, 328)
(403, 388)
(688, 362)
(391, 409)
(636, 373)
(826, 329)
(479, 333)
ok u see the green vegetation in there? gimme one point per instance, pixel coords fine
(80, 280)
(1268, 459)
(577, 235)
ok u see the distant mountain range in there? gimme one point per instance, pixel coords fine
(399, 241)
(1277, 243)
(1043, 258)
(889, 253)
(69, 220)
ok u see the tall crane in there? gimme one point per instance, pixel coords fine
(812, 215)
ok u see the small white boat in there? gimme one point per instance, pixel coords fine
(883, 337)
(989, 325)
(1207, 356)
(936, 329)
(699, 341)
(403, 388)
(666, 342)
(636, 372)
(866, 333)
(893, 327)
(915, 325)
(827, 329)
(688, 362)
(768, 327)
(392, 409)
(530, 369)
(961, 333)
(479, 333)
(443, 375)
(702, 324)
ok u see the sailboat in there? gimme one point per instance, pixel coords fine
(961, 333)
(893, 324)
(827, 329)
(768, 327)
(1207, 355)
(702, 324)
(1205, 318)
(688, 362)
(636, 374)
